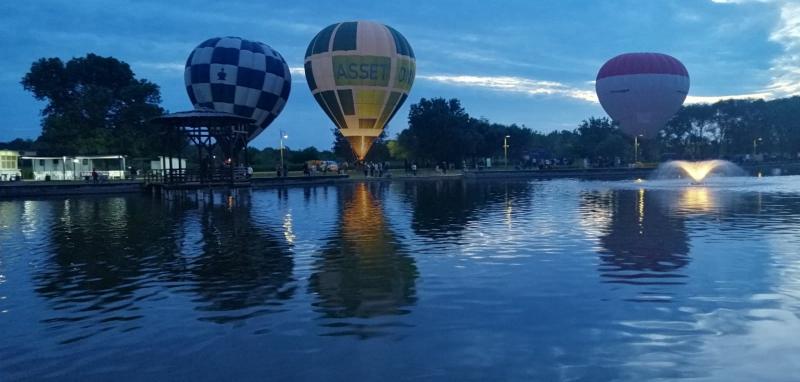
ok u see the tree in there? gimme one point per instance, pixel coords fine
(95, 105)
(438, 130)
(18, 144)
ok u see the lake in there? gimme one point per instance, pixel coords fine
(432, 280)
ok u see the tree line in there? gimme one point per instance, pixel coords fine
(441, 130)
(96, 105)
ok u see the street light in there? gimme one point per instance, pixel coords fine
(755, 143)
(505, 148)
(283, 136)
(636, 148)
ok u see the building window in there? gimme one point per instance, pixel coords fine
(85, 162)
(41, 162)
(55, 161)
(8, 162)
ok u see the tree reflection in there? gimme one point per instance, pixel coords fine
(641, 244)
(363, 271)
(101, 249)
(108, 254)
(443, 209)
(244, 268)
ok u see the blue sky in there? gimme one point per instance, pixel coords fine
(525, 62)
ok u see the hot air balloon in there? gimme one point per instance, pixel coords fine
(238, 76)
(642, 91)
(360, 73)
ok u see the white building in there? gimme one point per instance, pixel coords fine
(164, 163)
(9, 165)
(77, 168)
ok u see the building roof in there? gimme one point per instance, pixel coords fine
(203, 117)
(78, 157)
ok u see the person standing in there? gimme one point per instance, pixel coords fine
(414, 168)
(95, 176)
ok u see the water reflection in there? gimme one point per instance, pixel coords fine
(100, 251)
(110, 255)
(642, 243)
(363, 270)
(107, 288)
(244, 268)
(443, 209)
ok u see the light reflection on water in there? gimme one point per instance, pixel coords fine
(548, 280)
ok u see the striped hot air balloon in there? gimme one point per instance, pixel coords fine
(360, 73)
(642, 91)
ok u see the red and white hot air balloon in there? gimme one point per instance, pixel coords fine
(642, 91)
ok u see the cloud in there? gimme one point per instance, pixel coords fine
(739, 1)
(511, 84)
(171, 67)
(529, 86)
(786, 67)
(506, 84)
(713, 99)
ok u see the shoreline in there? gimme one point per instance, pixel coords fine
(21, 189)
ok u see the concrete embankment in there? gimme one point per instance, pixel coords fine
(29, 189)
(588, 173)
(60, 188)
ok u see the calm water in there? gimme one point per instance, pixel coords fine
(450, 280)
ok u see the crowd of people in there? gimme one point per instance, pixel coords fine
(375, 169)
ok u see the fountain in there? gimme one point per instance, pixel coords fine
(697, 171)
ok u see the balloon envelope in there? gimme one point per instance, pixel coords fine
(360, 73)
(642, 91)
(238, 76)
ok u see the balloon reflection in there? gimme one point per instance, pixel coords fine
(364, 270)
(642, 244)
(107, 254)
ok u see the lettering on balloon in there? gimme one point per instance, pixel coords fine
(406, 69)
(361, 70)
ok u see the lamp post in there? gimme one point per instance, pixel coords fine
(283, 136)
(636, 148)
(755, 143)
(505, 148)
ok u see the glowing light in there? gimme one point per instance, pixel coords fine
(697, 199)
(640, 209)
(638, 180)
(698, 170)
(288, 231)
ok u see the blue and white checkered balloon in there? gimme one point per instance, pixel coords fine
(234, 75)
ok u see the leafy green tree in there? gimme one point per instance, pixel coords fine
(95, 105)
